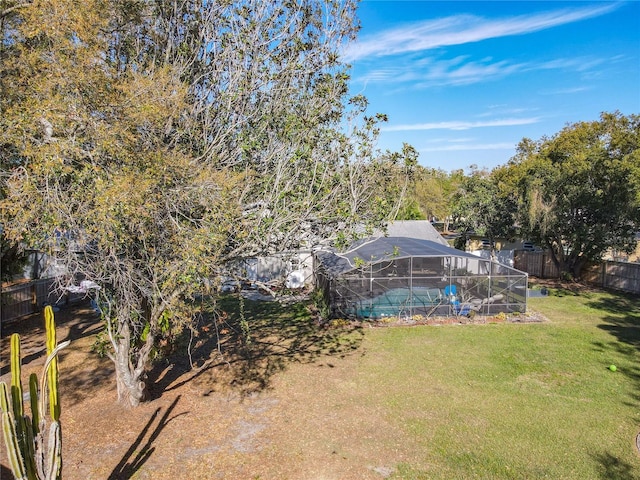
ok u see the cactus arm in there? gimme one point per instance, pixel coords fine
(20, 422)
(29, 450)
(16, 381)
(13, 450)
(43, 382)
(52, 373)
(33, 398)
(4, 397)
(14, 453)
(40, 453)
(37, 425)
(55, 452)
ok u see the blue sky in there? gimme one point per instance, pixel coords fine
(464, 82)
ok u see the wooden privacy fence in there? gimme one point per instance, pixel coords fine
(26, 298)
(617, 275)
(538, 264)
(608, 274)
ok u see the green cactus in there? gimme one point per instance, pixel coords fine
(33, 398)
(52, 373)
(11, 436)
(29, 457)
(16, 373)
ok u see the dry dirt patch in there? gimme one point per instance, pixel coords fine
(207, 424)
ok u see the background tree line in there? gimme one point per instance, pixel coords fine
(575, 193)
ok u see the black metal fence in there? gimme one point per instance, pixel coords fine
(23, 299)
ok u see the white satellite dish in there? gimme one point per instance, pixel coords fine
(295, 279)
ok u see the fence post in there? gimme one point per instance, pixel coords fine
(34, 297)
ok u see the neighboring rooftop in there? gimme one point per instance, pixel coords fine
(420, 229)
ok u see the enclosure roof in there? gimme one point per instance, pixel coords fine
(386, 248)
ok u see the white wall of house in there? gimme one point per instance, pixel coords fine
(505, 257)
(276, 268)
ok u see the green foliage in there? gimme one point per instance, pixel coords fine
(481, 207)
(167, 141)
(320, 304)
(359, 262)
(244, 323)
(431, 195)
(101, 344)
(578, 192)
(410, 210)
(566, 276)
(30, 456)
(339, 323)
(12, 260)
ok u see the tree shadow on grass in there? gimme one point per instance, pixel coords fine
(85, 322)
(129, 465)
(612, 468)
(622, 317)
(622, 321)
(245, 344)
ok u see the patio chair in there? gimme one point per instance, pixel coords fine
(450, 292)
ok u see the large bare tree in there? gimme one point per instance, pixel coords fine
(146, 143)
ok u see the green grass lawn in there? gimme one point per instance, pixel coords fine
(519, 401)
(496, 401)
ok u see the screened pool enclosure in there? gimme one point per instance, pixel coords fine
(407, 277)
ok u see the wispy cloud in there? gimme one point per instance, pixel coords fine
(579, 64)
(565, 91)
(448, 72)
(505, 109)
(468, 72)
(469, 146)
(461, 125)
(461, 70)
(461, 29)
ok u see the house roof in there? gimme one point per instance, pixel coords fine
(385, 248)
(420, 229)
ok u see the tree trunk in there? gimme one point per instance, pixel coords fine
(129, 377)
(556, 249)
(131, 388)
(578, 265)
